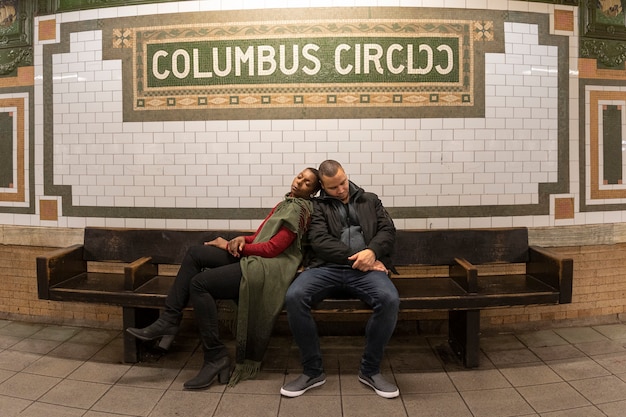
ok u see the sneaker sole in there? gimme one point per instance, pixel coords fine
(383, 394)
(292, 394)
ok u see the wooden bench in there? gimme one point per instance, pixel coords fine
(461, 271)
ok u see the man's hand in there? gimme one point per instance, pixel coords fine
(364, 260)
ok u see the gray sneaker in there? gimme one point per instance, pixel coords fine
(301, 384)
(381, 386)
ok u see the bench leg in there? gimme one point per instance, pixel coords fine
(135, 317)
(464, 335)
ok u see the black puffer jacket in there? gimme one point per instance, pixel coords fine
(324, 233)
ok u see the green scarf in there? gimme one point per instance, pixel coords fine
(263, 286)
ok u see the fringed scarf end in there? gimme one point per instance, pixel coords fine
(246, 370)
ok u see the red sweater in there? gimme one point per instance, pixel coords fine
(273, 247)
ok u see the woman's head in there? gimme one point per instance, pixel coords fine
(306, 184)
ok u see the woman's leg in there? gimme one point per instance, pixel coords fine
(205, 288)
(197, 259)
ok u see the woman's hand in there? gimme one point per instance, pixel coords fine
(218, 242)
(236, 245)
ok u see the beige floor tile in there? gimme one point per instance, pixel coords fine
(310, 406)
(580, 334)
(577, 368)
(77, 394)
(614, 362)
(603, 389)
(371, 405)
(72, 350)
(128, 400)
(511, 357)
(530, 374)
(149, 377)
(51, 366)
(602, 347)
(553, 397)
(505, 402)
(424, 382)
(20, 329)
(13, 360)
(27, 386)
(448, 404)
(245, 405)
(541, 338)
(613, 409)
(469, 380)
(11, 406)
(550, 353)
(51, 410)
(186, 404)
(56, 333)
(39, 346)
(589, 411)
(106, 373)
(613, 331)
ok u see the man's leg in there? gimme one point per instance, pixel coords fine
(377, 290)
(305, 291)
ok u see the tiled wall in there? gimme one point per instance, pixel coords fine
(525, 161)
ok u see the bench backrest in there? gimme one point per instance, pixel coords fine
(428, 247)
(478, 246)
(164, 246)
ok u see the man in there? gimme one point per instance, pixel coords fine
(352, 238)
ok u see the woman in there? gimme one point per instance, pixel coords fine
(254, 270)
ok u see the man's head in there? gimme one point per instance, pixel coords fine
(334, 180)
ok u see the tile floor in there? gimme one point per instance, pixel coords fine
(64, 371)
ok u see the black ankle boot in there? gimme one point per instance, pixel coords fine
(206, 376)
(159, 329)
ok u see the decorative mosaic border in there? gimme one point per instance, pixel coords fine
(129, 41)
(459, 93)
(16, 108)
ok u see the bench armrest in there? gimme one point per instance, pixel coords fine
(553, 269)
(138, 273)
(57, 266)
(465, 274)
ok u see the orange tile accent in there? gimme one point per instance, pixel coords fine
(563, 208)
(25, 77)
(564, 20)
(588, 68)
(47, 30)
(48, 210)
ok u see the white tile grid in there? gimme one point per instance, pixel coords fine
(451, 157)
(396, 197)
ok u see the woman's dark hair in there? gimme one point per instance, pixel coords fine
(318, 184)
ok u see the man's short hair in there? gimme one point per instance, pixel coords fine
(329, 168)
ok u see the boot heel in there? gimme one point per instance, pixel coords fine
(166, 341)
(224, 376)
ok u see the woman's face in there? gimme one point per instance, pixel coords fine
(304, 184)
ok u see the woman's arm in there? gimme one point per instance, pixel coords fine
(273, 247)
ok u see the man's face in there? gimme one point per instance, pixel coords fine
(337, 186)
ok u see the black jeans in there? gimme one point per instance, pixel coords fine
(206, 274)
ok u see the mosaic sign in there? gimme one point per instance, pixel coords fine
(379, 65)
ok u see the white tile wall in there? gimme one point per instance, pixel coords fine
(495, 160)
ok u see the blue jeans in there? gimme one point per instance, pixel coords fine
(313, 285)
